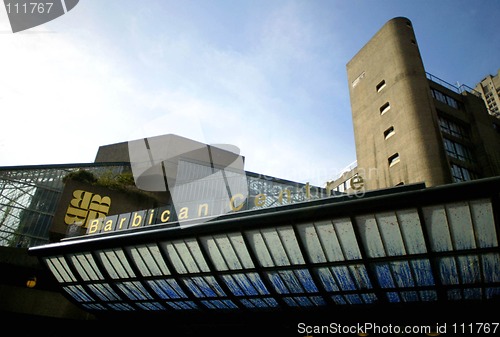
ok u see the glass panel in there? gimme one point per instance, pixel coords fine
(492, 293)
(491, 267)
(411, 231)
(213, 246)
(401, 273)
(305, 278)
(369, 298)
(291, 246)
(104, 292)
(150, 306)
(370, 236)
(448, 270)
(259, 248)
(461, 225)
(321, 241)
(327, 279)
(423, 272)
(353, 299)
(384, 275)
(291, 282)
(343, 277)
(116, 263)
(240, 249)
(78, 293)
(186, 256)
(204, 286)
(484, 223)
(339, 299)
(281, 247)
(391, 234)
(257, 283)
(220, 304)
(60, 269)
(121, 306)
(437, 226)
(309, 236)
(278, 283)
(409, 296)
(167, 289)
(348, 242)
(134, 291)
(393, 297)
(228, 252)
(454, 295)
(234, 286)
(187, 305)
(302, 301)
(428, 295)
(149, 261)
(360, 276)
(245, 284)
(260, 303)
(473, 294)
(469, 269)
(290, 301)
(96, 306)
(86, 267)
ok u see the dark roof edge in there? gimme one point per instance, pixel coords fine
(413, 196)
(55, 166)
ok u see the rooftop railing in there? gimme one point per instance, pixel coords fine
(458, 89)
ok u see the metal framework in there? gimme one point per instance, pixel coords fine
(29, 196)
(399, 246)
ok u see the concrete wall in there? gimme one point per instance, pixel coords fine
(388, 70)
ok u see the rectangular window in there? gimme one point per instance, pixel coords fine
(359, 78)
(394, 159)
(453, 129)
(452, 102)
(438, 95)
(460, 173)
(444, 98)
(384, 108)
(389, 132)
(381, 86)
(458, 151)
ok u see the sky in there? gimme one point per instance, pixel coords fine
(268, 77)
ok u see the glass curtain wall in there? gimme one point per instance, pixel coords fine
(29, 196)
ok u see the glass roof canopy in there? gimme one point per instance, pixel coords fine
(397, 246)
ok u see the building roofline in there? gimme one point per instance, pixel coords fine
(62, 166)
(401, 197)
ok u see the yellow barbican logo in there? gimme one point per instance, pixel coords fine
(85, 207)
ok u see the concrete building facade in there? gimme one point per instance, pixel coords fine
(411, 127)
(489, 87)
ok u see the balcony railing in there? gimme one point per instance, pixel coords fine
(458, 89)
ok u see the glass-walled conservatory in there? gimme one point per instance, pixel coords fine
(29, 196)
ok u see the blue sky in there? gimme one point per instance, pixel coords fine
(268, 77)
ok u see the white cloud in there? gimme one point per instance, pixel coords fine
(67, 94)
(58, 99)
